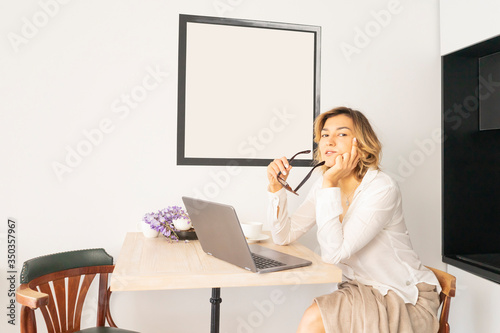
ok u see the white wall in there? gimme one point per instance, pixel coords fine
(464, 23)
(65, 77)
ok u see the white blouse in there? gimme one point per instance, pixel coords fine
(371, 245)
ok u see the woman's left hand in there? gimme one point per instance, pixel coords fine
(343, 167)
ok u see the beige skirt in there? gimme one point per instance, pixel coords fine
(356, 308)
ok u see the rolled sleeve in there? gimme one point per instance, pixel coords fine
(287, 228)
(276, 200)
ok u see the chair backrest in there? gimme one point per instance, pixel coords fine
(57, 284)
(448, 287)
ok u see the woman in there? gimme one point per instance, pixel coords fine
(358, 211)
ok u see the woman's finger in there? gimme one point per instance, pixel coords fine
(273, 169)
(354, 153)
(278, 165)
(272, 174)
(286, 166)
(354, 148)
(346, 161)
(339, 160)
(354, 145)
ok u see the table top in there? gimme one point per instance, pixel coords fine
(157, 264)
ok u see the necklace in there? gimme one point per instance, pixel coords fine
(347, 197)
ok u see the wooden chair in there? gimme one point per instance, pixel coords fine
(57, 284)
(448, 286)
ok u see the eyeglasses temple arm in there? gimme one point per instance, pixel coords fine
(300, 152)
(291, 158)
(308, 176)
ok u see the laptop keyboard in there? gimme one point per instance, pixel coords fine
(263, 262)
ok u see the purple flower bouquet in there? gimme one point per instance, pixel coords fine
(162, 221)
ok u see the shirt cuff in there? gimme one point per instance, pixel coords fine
(276, 200)
(276, 195)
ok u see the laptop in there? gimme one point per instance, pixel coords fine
(220, 235)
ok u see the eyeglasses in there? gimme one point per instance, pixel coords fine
(285, 184)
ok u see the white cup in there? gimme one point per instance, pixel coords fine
(252, 230)
(182, 224)
(146, 230)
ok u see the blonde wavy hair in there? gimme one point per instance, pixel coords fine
(369, 147)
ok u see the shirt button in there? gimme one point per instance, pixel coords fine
(408, 283)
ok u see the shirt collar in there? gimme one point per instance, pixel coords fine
(367, 179)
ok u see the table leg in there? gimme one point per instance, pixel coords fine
(215, 300)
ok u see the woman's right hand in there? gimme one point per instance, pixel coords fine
(279, 164)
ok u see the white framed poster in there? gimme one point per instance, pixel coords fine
(248, 91)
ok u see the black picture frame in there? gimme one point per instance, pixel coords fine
(186, 136)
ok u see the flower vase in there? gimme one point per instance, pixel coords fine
(147, 231)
